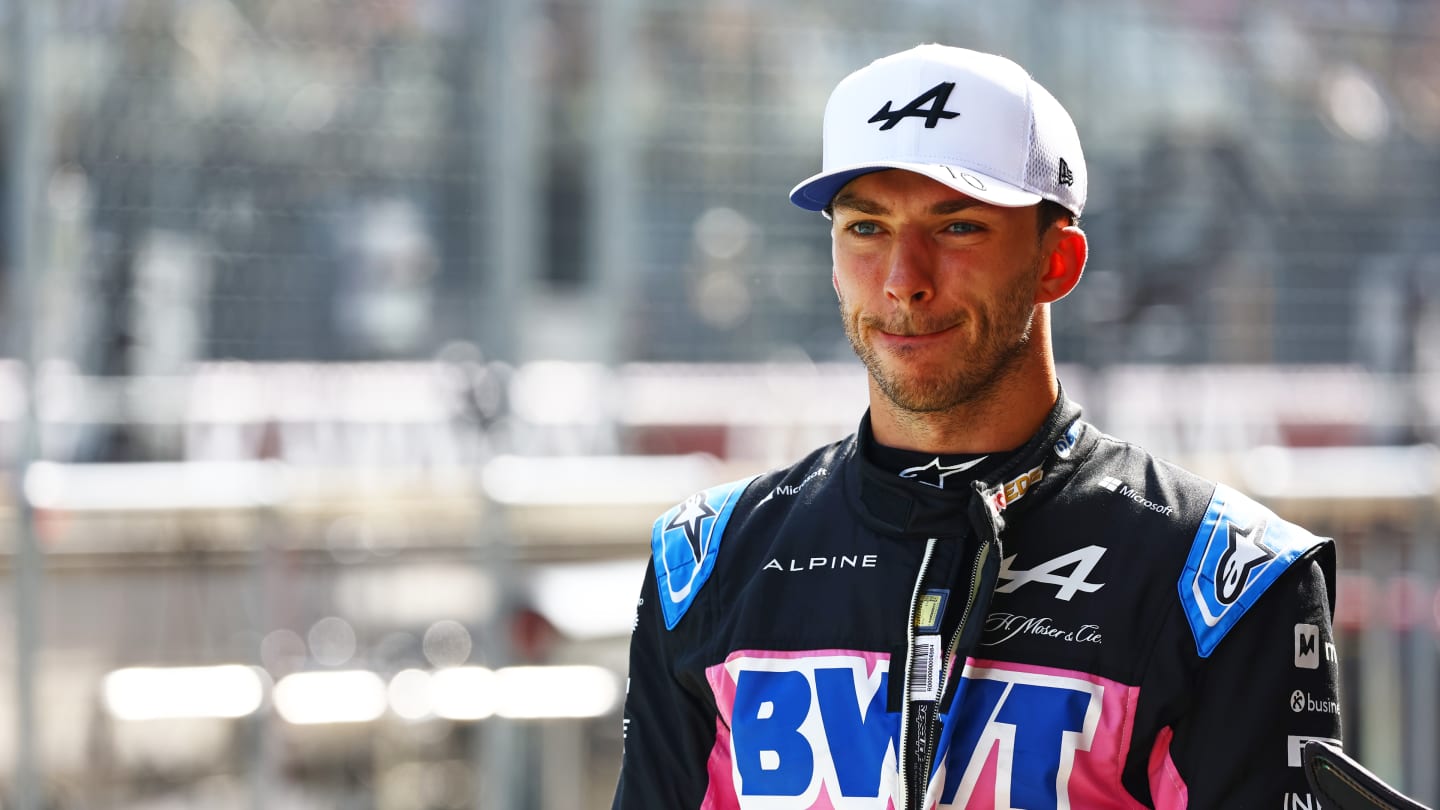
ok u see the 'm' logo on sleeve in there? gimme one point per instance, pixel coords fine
(1308, 646)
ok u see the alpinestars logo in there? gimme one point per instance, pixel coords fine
(929, 105)
(694, 510)
(1245, 553)
(934, 473)
(1066, 178)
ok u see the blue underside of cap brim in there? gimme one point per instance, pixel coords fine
(815, 193)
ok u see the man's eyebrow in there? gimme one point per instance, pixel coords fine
(875, 209)
(955, 206)
(857, 203)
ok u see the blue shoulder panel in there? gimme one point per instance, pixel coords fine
(685, 541)
(1239, 551)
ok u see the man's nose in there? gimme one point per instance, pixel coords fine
(910, 277)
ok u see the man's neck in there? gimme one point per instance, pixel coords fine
(992, 424)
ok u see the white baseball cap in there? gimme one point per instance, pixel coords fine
(973, 121)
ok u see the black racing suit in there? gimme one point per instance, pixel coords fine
(1081, 628)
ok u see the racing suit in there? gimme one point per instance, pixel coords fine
(1082, 627)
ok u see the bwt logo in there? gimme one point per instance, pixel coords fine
(787, 712)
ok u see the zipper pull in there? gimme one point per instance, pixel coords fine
(982, 588)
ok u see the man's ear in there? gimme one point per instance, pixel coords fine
(835, 282)
(1063, 265)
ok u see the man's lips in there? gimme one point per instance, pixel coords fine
(913, 338)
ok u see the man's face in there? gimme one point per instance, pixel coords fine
(937, 290)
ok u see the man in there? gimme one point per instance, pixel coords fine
(977, 600)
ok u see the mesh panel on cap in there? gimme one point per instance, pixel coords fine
(1050, 140)
(1043, 169)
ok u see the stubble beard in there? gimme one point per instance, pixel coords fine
(1002, 336)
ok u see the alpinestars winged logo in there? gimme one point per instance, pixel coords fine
(1244, 553)
(689, 517)
(934, 473)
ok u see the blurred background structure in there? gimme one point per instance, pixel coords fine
(351, 348)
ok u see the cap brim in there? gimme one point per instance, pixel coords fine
(815, 193)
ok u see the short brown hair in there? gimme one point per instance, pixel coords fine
(1049, 212)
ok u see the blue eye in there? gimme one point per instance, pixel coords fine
(962, 227)
(864, 228)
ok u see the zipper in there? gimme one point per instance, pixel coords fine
(913, 796)
(946, 670)
(904, 753)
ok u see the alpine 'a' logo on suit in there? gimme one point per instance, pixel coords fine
(1080, 563)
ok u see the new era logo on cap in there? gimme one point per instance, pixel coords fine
(973, 121)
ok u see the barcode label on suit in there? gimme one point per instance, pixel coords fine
(925, 674)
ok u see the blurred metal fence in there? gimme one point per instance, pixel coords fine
(268, 180)
(286, 278)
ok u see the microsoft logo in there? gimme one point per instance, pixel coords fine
(1119, 487)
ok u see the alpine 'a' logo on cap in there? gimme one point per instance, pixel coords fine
(1066, 177)
(929, 105)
